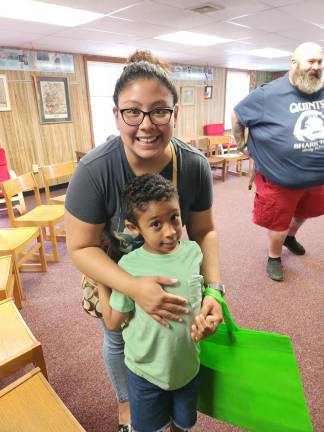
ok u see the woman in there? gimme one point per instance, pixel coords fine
(146, 110)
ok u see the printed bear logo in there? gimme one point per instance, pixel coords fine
(310, 126)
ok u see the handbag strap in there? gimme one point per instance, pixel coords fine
(230, 324)
(174, 166)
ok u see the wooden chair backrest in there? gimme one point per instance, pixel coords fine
(23, 183)
(202, 144)
(216, 150)
(224, 139)
(79, 154)
(58, 170)
(51, 172)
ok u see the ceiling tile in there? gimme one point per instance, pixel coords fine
(101, 6)
(273, 20)
(279, 24)
(27, 26)
(128, 27)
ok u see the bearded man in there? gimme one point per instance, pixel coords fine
(285, 119)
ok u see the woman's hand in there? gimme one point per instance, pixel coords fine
(205, 324)
(150, 296)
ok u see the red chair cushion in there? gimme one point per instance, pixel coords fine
(4, 172)
(214, 129)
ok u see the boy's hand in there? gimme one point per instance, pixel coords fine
(207, 321)
(203, 327)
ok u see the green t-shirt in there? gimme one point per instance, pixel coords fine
(165, 357)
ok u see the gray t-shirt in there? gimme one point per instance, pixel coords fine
(94, 191)
(286, 133)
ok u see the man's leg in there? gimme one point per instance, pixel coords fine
(290, 241)
(295, 224)
(113, 352)
(276, 240)
(274, 266)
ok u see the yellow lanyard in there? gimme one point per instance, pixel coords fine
(174, 167)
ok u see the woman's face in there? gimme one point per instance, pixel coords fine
(147, 140)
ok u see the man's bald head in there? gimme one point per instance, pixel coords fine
(307, 49)
(306, 67)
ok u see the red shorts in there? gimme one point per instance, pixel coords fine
(275, 206)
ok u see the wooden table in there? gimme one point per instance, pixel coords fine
(18, 346)
(30, 404)
(9, 280)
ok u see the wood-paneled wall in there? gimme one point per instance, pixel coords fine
(192, 119)
(26, 140)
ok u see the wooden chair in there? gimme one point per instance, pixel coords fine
(9, 280)
(218, 162)
(24, 244)
(202, 144)
(30, 404)
(79, 155)
(45, 216)
(18, 346)
(6, 174)
(217, 147)
(52, 172)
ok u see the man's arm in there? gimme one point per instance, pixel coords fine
(200, 228)
(238, 130)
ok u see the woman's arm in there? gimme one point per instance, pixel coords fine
(200, 228)
(112, 318)
(83, 243)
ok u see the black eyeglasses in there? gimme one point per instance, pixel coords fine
(158, 116)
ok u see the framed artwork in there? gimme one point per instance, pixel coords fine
(187, 95)
(53, 99)
(208, 92)
(4, 94)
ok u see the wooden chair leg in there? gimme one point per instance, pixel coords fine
(22, 206)
(224, 170)
(42, 253)
(17, 260)
(239, 167)
(39, 360)
(17, 288)
(52, 234)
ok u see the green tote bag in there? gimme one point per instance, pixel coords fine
(250, 379)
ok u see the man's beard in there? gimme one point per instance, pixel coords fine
(301, 80)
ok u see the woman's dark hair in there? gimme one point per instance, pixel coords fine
(142, 190)
(144, 65)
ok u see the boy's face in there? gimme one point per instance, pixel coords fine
(160, 226)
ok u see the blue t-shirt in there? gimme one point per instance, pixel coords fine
(286, 133)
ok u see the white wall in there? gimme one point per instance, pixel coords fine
(102, 79)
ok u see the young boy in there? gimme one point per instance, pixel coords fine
(162, 363)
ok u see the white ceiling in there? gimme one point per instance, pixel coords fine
(130, 24)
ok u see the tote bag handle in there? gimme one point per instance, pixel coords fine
(230, 324)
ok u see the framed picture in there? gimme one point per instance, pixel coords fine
(53, 99)
(187, 95)
(208, 92)
(4, 94)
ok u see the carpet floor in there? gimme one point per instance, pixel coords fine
(72, 341)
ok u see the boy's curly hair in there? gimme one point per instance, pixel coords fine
(143, 189)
